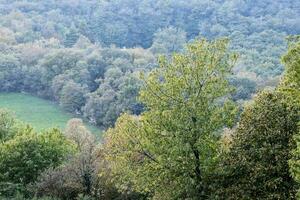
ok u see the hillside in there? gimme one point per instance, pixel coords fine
(73, 54)
(149, 99)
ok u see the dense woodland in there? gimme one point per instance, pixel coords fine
(71, 52)
(197, 99)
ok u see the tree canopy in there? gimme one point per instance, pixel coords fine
(169, 150)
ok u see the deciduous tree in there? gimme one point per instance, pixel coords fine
(169, 151)
(256, 165)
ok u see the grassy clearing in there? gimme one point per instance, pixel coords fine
(40, 113)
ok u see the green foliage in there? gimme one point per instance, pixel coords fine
(168, 41)
(291, 79)
(45, 45)
(294, 163)
(24, 157)
(257, 162)
(9, 70)
(72, 97)
(8, 127)
(170, 150)
(290, 86)
(86, 56)
(256, 166)
(115, 95)
(58, 62)
(82, 80)
(244, 88)
(78, 177)
(19, 196)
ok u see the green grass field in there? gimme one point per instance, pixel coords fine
(39, 113)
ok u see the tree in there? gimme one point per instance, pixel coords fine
(294, 163)
(72, 97)
(116, 94)
(10, 73)
(8, 126)
(291, 79)
(58, 62)
(290, 86)
(169, 40)
(79, 174)
(24, 157)
(256, 165)
(168, 152)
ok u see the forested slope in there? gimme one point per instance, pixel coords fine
(215, 117)
(87, 55)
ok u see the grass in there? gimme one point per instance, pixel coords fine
(39, 113)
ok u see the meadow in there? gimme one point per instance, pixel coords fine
(41, 114)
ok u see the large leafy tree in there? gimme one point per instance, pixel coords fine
(256, 166)
(169, 151)
(291, 87)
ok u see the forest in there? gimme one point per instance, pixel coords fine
(187, 100)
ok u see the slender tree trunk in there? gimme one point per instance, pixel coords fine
(198, 177)
(197, 168)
